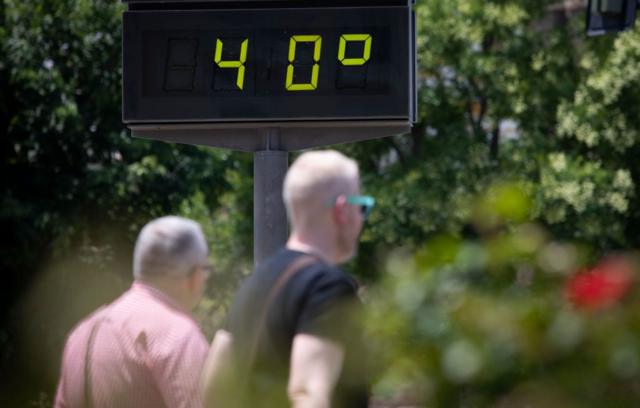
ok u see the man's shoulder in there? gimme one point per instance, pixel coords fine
(319, 280)
(79, 334)
(142, 309)
(320, 274)
(315, 272)
(326, 297)
(139, 317)
(313, 278)
(131, 316)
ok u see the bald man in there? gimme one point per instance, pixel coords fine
(144, 349)
(291, 337)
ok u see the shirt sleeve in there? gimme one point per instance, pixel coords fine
(177, 370)
(330, 308)
(71, 385)
(61, 390)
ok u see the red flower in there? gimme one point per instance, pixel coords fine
(602, 286)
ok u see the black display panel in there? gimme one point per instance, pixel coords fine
(606, 16)
(267, 65)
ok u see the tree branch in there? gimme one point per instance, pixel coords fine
(495, 142)
(475, 94)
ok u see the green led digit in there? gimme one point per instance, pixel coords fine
(315, 70)
(342, 48)
(233, 64)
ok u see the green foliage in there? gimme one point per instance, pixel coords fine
(512, 97)
(230, 239)
(486, 321)
(510, 92)
(477, 316)
(601, 113)
(76, 188)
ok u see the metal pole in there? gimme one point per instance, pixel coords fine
(270, 228)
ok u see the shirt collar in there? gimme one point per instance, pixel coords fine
(139, 286)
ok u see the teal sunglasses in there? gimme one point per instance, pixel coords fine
(366, 203)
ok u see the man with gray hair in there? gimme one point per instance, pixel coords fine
(290, 337)
(144, 349)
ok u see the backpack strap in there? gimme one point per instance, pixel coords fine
(294, 267)
(88, 397)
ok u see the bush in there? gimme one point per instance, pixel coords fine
(507, 316)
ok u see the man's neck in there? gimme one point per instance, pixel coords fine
(312, 245)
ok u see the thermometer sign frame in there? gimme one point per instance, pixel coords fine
(268, 67)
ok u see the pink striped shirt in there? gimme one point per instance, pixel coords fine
(147, 352)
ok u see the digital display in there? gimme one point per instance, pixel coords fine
(268, 65)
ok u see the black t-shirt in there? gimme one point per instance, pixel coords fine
(319, 299)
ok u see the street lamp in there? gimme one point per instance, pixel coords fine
(605, 16)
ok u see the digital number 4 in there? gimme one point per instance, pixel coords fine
(239, 64)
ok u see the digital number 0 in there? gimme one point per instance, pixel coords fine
(315, 70)
(233, 64)
(342, 49)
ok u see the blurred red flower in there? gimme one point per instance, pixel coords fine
(602, 286)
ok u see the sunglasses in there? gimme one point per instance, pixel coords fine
(366, 203)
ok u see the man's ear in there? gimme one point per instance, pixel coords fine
(340, 210)
(192, 281)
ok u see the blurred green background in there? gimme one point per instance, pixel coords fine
(521, 171)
